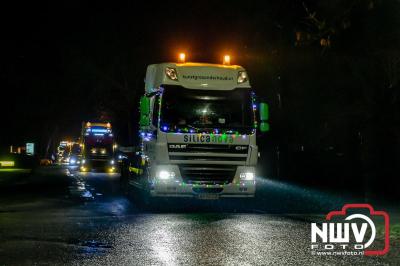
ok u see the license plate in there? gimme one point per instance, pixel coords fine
(207, 196)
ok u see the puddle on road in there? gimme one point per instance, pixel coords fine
(79, 189)
(91, 246)
(113, 204)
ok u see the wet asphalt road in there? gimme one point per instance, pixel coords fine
(59, 216)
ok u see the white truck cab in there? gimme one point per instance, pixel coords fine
(198, 132)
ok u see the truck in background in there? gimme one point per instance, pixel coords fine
(63, 150)
(97, 147)
(198, 132)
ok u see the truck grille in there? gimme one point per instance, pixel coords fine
(93, 163)
(214, 148)
(208, 152)
(207, 174)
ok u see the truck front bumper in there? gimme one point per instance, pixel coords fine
(178, 189)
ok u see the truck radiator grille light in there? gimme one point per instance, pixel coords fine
(219, 148)
(208, 152)
(207, 174)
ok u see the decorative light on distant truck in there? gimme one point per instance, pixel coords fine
(111, 169)
(100, 130)
(7, 163)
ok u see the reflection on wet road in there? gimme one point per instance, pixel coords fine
(93, 222)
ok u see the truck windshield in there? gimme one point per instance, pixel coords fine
(206, 110)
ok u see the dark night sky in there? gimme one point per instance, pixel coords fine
(55, 55)
(64, 63)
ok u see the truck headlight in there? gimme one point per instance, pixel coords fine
(112, 162)
(103, 151)
(171, 73)
(247, 176)
(165, 175)
(93, 151)
(242, 77)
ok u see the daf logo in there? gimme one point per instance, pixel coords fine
(241, 148)
(177, 146)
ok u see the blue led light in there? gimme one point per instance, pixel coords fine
(99, 130)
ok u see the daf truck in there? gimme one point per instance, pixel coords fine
(198, 132)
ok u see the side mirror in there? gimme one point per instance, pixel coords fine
(264, 116)
(264, 111)
(144, 111)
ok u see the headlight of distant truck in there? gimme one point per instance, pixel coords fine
(247, 176)
(242, 77)
(112, 162)
(165, 175)
(103, 151)
(171, 73)
(93, 151)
